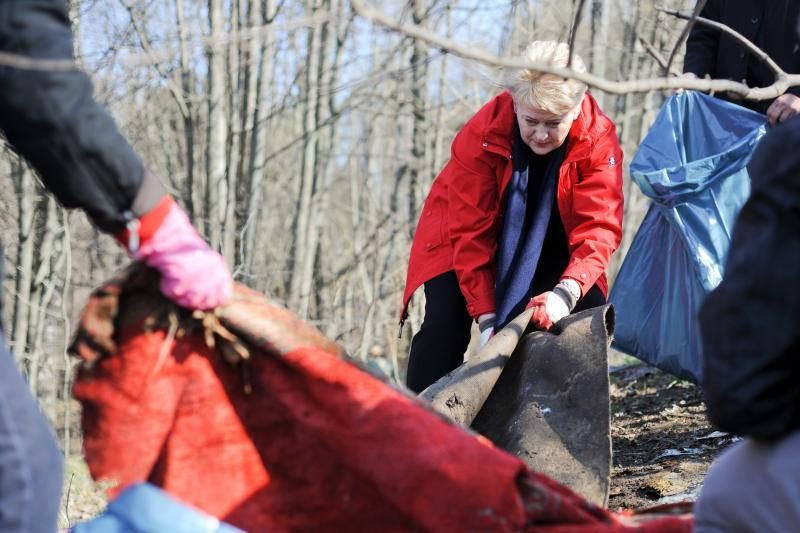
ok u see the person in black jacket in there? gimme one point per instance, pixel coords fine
(49, 116)
(769, 24)
(751, 344)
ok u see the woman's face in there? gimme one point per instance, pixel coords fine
(541, 130)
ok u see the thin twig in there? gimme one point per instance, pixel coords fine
(67, 499)
(781, 84)
(744, 41)
(177, 92)
(698, 7)
(655, 54)
(574, 32)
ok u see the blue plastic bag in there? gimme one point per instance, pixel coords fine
(692, 165)
(144, 508)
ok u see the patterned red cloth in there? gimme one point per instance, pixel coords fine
(317, 444)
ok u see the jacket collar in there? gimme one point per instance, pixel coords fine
(498, 119)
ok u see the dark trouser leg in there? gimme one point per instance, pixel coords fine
(592, 298)
(30, 461)
(439, 345)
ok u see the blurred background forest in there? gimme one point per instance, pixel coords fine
(302, 140)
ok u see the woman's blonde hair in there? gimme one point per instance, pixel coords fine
(546, 91)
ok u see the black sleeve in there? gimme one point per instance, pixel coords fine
(702, 44)
(52, 119)
(751, 322)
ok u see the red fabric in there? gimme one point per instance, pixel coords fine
(457, 229)
(317, 445)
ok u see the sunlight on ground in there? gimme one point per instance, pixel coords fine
(82, 498)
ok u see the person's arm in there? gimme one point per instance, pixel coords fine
(749, 323)
(472, 219)
(597, 207)
(702, 43)
(53, 121)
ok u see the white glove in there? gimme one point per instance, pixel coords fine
(555, 307)
(486, 327)
(551, 306)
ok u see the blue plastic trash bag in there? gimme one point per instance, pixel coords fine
(692, 165)
(144, 508)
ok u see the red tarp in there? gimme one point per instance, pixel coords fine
(317, 444)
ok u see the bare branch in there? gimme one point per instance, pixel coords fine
(755, 50)
(574, 32)
(782, 82)
(655, 54)
(177, 92)
(698, 7)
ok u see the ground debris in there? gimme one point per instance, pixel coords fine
(663, 443)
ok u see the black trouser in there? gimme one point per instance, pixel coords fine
(439, 345)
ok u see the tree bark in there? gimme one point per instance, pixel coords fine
(188, 118)
(216, 186)
(419, 80)
(25, 251)
(305, 243)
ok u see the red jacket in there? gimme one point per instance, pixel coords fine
(458, 226)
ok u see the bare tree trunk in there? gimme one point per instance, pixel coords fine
(25, 252)
(440, 145)
(68, 361)
(632, 131)
(256, 164)
(419, 80)
(236, 96)
(304, 250)
(42, 293)
(216, 187)
(188, 118)
(600, 45)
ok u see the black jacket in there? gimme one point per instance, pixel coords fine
(751, 322)
(52, 120)
(770, 24)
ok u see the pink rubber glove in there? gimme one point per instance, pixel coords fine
(192, 274)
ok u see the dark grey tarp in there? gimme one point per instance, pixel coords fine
(550, 404)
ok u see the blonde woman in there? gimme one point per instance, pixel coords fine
(526, 213)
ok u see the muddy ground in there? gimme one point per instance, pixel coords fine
(663, 444)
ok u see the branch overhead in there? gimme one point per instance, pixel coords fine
(447, 45)
(751, 47)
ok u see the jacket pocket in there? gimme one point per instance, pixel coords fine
(433, 231)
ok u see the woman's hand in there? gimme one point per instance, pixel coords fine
(192, 274)
(551, 306)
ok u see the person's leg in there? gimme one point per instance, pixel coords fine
(439, 345)
(752, 487)
(30, 461)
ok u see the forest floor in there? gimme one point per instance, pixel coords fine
(662, 441)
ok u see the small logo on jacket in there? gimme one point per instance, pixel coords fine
(612, 161)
